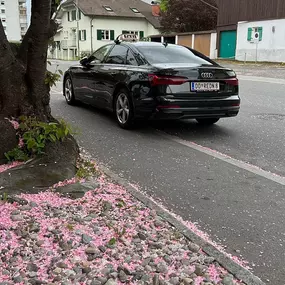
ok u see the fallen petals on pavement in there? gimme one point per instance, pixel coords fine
(106, 237)
(5, 167)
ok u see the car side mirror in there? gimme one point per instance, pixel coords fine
(84, 61)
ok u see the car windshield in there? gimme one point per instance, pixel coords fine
(171, 54)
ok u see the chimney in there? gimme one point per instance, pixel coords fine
(155, 8)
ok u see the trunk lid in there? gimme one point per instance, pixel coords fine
(200, 80)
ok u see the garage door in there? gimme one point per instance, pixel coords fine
(228, 41)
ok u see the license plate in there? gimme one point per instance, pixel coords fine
(205, 86)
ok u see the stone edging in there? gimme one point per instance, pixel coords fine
(232, 267)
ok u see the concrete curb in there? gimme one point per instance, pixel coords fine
(238, 271)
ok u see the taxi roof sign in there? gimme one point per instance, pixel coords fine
(127, 38)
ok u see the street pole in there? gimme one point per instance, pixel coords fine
(91, 34)
(77, 19)
(256, 52)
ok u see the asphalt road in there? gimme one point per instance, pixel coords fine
(242, 209)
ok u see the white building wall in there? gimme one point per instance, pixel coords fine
(118, 25)
(272, 46)
(213, 46)
(99, 23)
(13, 30)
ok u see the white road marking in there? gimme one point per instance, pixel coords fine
(261, 79)
(240, 164)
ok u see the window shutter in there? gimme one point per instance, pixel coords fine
(260, 30)
(249, 34)
(73, 15)
(84, 35)
(112, 35)
(99, 35)
(141, 34)
(68, 16)
(79, 14)
(80, 35)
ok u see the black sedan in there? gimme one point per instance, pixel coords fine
(146, 80)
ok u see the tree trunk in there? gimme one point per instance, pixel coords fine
(22, 82)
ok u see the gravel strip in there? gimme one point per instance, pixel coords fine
(106, 237)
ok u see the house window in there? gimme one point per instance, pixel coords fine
(65, 34)
(57, 44)
(105, 35)
(131, 32)
(108, 8)
(73, 15)
(140, 34)
(3, 11)
(82, 35)
(2, 2)
(135, 10)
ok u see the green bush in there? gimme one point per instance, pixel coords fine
(33, 137)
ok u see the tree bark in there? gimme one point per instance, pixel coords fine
(37, 58)
(22, 82)
(11, 79)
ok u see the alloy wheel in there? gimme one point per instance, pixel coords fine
(122, 108)
(68, 90)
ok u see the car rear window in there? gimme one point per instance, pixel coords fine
(170, 54)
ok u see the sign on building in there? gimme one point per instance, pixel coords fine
(254, 35)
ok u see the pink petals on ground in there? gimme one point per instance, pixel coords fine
(14, 123)
(106, 234)
(199, 280)
(5, 167)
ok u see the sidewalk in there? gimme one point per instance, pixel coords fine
(105, 237)
(269, 70)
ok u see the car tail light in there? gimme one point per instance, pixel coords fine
(168, 107)
(156, 80)
(232, 81)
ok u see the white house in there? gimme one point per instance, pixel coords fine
(261, 41)
(86, 25)
(13, 14)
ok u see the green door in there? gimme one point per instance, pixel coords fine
(228, 41)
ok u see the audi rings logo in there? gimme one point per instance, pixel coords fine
(208, 75)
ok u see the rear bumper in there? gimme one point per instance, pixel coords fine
(163, 108)
(197, 112)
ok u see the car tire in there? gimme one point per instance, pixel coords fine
(207, 122)
(69, 91)
(123, 109)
